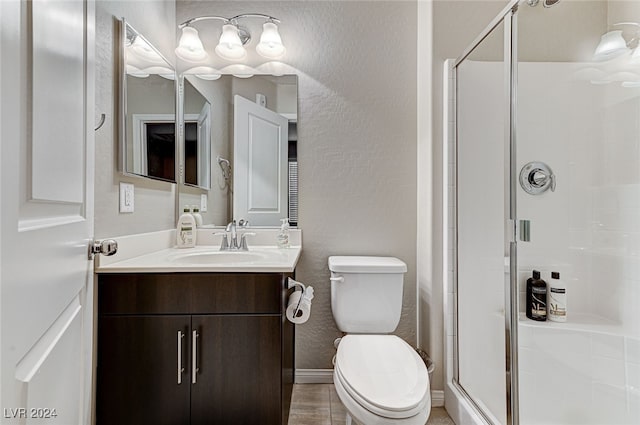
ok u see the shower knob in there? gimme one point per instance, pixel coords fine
(536, 178)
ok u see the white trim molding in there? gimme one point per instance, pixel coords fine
(325, 376)
(314, 376)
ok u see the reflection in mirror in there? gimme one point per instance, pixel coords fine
(197, 138)
(147, 109)
(252, 157)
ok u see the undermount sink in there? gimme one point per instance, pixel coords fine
(218, 257)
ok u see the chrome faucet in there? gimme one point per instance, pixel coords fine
(231, 228)
(232, 231)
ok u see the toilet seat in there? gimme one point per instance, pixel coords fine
(383, 374)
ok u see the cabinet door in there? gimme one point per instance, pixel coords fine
(238, 378)
(137, 377)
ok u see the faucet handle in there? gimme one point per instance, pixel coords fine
(243, 240)
(224, 245)
(243, 223)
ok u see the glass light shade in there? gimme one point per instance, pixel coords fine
(190, 47)
(230, 47)
(635, 56)
(270, 45)
(204, 73)
(612, 45)
(136, 72)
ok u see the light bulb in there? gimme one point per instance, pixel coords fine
(190, 47)
(230, 46)
(270, 45)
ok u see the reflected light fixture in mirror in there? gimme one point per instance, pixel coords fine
(232, 39)
(204, 73)
(613, 44)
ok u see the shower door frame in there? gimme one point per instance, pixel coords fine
(508, 16)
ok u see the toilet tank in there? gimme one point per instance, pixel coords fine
(366, 293)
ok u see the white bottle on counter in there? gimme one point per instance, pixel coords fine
(197, 216)
(283, 235)
(186, 231)
(557, 299)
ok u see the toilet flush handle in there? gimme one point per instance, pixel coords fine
(337, 279)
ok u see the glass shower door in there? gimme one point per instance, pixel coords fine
(482, 188)
(579, 114)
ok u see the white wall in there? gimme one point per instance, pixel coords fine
(356, 63)
(154, 200)
(589, 231)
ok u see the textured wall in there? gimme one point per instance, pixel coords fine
(357, 142)
(154, 201)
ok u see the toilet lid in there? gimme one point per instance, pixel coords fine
(384, 372)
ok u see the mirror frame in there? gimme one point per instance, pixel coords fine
(122, 105)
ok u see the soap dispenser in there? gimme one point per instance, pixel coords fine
(283, 235)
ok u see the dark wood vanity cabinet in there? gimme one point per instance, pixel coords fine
(193, 348)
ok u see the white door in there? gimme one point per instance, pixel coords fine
(46, 195)
(204, 146)
(260, 151)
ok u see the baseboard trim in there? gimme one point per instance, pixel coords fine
(314, 376)
(325, 376)
(437, 398)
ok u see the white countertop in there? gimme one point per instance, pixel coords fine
(153, 253)
(262, 259)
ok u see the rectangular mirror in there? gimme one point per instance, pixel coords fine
(239, 150)
(147, 109)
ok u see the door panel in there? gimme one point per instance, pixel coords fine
(239, 370)
(47, 199)
(482, 212)
(260, 150)
(138, 370)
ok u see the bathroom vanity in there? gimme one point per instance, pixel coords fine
(184, 338)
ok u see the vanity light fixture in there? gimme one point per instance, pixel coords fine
(232, 40)
(613, 44)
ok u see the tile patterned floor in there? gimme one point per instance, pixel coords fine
(318, 404)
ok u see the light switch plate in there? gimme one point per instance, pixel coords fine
(126, 198)
(203, 202)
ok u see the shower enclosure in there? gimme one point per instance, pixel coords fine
(544, 174)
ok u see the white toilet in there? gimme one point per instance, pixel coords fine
(379, 378)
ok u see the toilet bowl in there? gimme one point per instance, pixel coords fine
(380, 379)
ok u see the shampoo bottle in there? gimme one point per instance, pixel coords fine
(529, 295)
(557, 299)
(283, 235)
(186, 231)
(538, 300)
(197, 216)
